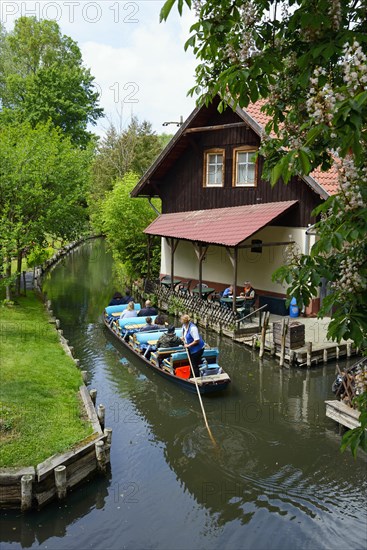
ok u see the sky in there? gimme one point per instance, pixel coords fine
(140, 66)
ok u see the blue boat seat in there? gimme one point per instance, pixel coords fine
(144, 337)
(119, 309)
(212, 368)
(133, 321)
(209, 354)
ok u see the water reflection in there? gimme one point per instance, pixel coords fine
(274, 480)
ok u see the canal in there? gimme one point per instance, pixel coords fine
(276, 479)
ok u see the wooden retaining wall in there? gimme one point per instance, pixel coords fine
(33, 487)
(26, 488)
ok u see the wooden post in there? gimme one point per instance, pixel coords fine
(308, 353)
(273, 348)
(233, 257)
(108, 434)
(349, 349)
(337, 352)
(324, 355)
(292, 356)
(148, 256)
(200, 269)
(253, 341)
(283, 335)
(200, 254)
(101, 455)
(263, 333)
(60, 481)
(85, 376)
(93, 396)
(26, 492)
(101, 414)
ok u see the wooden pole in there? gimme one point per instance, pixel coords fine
(26, 492)
(235, 269)
(60, 481)
(101, 414)
(148, 256)
(101, 455)
(200, 269)
(93, 396)
(324, 355)
(337, 352)
(108, 433)
(253, 340)
(200, 400)
(263, 333)
(349, 349)
(308, 353)
(284, 330)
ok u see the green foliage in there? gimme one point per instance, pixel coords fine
(132, 150)
(123, 221)
(358, 437)
(38, 256)
(175, 304)
(42, 78)
(43, 183)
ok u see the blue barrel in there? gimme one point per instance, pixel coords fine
(293, 308)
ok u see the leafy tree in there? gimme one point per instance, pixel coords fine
(308, 60)
(131, 150)
(42, 78)
(123, 222)
(43, 181)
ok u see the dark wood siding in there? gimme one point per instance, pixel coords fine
(181, 187)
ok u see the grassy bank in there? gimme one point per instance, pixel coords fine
(40, 411)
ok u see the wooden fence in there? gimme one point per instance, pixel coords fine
(208, 313)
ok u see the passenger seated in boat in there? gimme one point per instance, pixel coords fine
(147, 310)
(169, 339)
(117, 299)
(161, 320)
(149, 326)
(127, 298)
(129, 311)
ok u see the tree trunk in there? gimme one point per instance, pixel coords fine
(19, 272)
(8, 275)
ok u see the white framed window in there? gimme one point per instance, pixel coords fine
(245, 167)
(214, 168)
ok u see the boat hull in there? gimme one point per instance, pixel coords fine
(187, 385)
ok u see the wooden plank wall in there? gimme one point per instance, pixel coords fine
(182, 188)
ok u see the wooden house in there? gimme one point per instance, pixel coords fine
(222, 223)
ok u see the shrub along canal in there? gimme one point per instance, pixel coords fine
(276, 480)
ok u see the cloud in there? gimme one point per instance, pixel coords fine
(139, 65)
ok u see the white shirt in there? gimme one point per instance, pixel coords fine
(127, 313)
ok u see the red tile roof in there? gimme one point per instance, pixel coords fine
(328, 180)
(223, 226)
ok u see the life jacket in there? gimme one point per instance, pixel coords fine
(189, 339)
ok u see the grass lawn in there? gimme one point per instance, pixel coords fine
(40, 411)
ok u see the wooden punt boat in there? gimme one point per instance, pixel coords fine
(170, 363)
